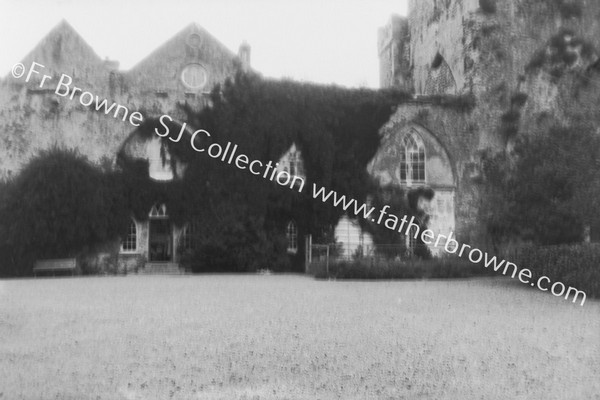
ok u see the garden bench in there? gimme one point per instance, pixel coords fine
(66, 264)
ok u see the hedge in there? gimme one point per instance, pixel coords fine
(375, 269)
(573, 265)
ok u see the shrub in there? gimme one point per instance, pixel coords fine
(60, 206)
(562, 53)
(573, 265)
(373, 269)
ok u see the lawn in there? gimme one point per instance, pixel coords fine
(290, 337)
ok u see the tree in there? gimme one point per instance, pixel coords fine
(549, 190)
(59, 206)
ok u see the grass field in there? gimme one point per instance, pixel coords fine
(290, 337)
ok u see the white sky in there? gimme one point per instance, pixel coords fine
(326, 41)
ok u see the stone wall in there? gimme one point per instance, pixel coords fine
(438, 27)
(455, 132)
(393, 44)
(486, 53)
(34, 118)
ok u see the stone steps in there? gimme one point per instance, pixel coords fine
(161, 268)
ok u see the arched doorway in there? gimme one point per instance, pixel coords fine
(411, 157)
(160, 235)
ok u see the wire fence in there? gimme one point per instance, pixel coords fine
(326, 253)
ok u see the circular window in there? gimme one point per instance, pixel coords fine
(194, 76)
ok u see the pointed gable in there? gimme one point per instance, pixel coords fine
(193, 61)
(292, 162)
(63, 50)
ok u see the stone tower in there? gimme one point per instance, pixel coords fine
(524, 65)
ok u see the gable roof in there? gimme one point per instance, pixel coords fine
(50, 51)
(194, 41)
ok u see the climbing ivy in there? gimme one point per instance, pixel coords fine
(240, 218)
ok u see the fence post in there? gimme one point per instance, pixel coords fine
(327, 263)
(307, 252)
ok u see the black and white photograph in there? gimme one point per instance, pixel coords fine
(300, 200)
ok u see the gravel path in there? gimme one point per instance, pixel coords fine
(290, 337)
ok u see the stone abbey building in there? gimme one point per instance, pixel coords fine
(183, 70)
(464, 60)
(533, 59)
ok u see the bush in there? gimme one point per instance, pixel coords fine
(60, 206)
(374, 269)
(573, 265)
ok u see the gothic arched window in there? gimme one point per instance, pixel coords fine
(412, 160)
(292, 162)
(158, 211)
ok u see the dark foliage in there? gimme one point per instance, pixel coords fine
(566, 8)
(382, 236)
(547, 192)
(242, 217)
(569, 9)
(377, 269)
(488, 6)
(390, 242)
(562, 53)
(509, 126)
(573, 265)
(58, 207)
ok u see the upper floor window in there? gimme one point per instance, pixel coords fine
(292, 237)
(159, 160)
(158, 211)
(194, 76)
(130, 243)
(412, 160)
(292, 163)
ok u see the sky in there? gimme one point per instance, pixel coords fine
(324, 41)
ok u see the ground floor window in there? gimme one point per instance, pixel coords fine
(188, 236)
(292, 237)
(130, 242)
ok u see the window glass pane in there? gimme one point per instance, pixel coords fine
(292, 237)
(130, 242)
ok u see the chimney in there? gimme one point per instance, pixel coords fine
(244, 55)
(112, 65)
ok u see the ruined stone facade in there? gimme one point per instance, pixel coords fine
(182, 71)
(444, 51)
(483, 50)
